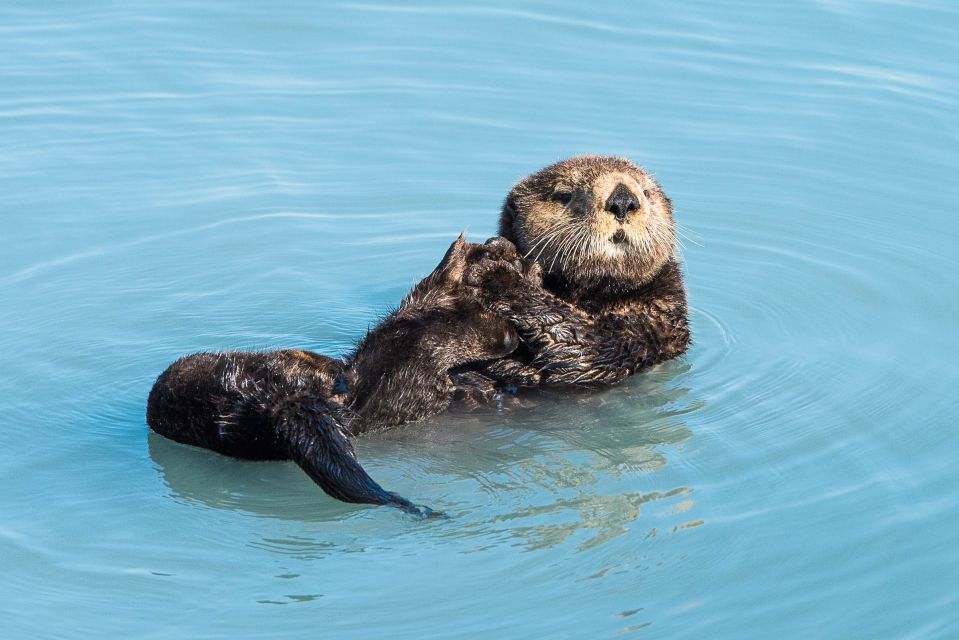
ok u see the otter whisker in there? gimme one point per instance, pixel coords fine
(671, 234)
(563, 246)
(571, 249)
(555, 256)
(645, 243)
(686, 229)
(585, 246)
(543, 247)
(544, 241)
(685, 233)
(576, 246)
(555, 235)
(539, 241)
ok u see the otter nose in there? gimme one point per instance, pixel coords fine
(621, 202)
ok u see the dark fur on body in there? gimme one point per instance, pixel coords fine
(304, 406)
(589, 293)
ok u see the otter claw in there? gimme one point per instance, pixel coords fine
(418, 510)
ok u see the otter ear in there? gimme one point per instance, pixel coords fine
(454, 262)
(507, 218)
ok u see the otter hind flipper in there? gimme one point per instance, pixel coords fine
(320, 445)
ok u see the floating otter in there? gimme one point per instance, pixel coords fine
(611, 299)
(589, 293)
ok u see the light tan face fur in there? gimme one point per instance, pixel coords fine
(560, 217)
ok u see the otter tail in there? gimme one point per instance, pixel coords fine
(321, 446)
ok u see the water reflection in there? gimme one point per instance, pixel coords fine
(548, 468)
(605, 517)
(567, 466)
(269, 489)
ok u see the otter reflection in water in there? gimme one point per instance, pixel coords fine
(589, 293)
(543, 460)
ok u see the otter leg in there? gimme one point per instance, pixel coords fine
(258, 406)
(210, 400)
(320, 445)
(401, 370)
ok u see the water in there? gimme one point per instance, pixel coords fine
(187, 176)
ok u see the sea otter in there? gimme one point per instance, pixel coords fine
(610, 300)
(589, 293)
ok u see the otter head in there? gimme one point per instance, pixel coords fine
(592, 221)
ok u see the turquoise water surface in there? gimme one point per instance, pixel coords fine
(181, 176)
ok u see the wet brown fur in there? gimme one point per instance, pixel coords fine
(588, 298)
(304, 406)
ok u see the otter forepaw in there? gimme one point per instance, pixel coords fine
(500, 249)
(499, 271)
(495, 276)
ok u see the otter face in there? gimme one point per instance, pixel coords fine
(592, 220)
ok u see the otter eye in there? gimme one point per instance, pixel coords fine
(562, 197)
